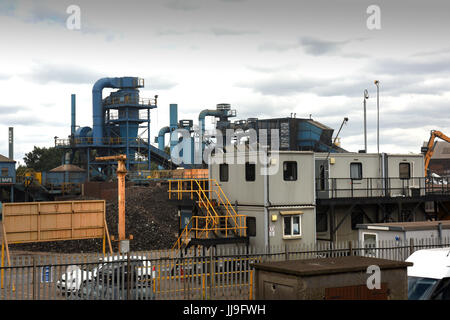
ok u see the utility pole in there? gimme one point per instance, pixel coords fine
(377, 83)
(121, 173)
(366, 96)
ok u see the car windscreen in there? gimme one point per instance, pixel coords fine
(420, 288)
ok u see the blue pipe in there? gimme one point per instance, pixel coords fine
(162, 132)
(201, 120)
(97, 111)
(73, 126)
(173, 125)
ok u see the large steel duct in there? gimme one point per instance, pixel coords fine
(161, 134)
(97, 111)
(223, 112)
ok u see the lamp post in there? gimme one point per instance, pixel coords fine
(366, 96)
(377, 83)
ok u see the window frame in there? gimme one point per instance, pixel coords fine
(5, 172)
(360, 171)
(249, 218)
(295, 176)
(369, 252)
(224, 165)
(247, 166)
(409, 170)
(292, 235)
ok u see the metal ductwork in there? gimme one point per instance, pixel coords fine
(222, 112)
(161, 134)
(97, 111)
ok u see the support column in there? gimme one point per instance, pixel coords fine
(332, 224)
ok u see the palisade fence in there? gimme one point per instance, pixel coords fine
(213, 273)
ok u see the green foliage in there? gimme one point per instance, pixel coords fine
(43, 159)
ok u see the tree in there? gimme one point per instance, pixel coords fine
(44, 159)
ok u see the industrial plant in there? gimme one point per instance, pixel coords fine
(189, 193)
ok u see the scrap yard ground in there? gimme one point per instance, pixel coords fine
(150, 217)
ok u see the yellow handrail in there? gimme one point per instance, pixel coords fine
(204, 188)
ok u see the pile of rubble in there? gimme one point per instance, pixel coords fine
(150, 217)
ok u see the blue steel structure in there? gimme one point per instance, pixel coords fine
(116, 123)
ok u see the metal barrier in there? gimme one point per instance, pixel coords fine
(381, 187)
(222, 273)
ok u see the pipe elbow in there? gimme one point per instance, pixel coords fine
(163, 131)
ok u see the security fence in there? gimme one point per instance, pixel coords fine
(206, 273)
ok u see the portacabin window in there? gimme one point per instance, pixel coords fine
(356, 171)
(251, 226)
(404, 170)
(290, 170)
(250, 171)
(223, 172)
(292, 226)
(5, 172)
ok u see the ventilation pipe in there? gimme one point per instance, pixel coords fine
(173, 125)
(97, 111)
(201, 120)
(161, 141)
(73, 122)
(11, 142)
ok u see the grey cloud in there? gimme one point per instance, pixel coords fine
(347, 86)
(281, 86)
(159, 83)
(45, 73)
(231, 32)
(318, 47)
(278, 47)
(431, 52)
(11, 109)
(410, 67)
(183, 5)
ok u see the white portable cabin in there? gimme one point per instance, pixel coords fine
(348, 175)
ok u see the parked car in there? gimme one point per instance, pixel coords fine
(75, 277)
(118, 281)
(71, 280)
(429, 277)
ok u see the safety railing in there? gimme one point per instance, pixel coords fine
(209, 196)
(101, 141)
(141, 116)
(381, 187)
(123, 100)
(207, 274)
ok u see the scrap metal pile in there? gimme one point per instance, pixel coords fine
(150, 217)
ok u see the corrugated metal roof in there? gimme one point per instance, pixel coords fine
(67, 168)
(5, 159)
(441, 150)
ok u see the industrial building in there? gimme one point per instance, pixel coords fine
(317, 197)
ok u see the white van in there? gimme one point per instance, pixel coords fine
(429, 277)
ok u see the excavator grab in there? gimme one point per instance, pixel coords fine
(429, 149)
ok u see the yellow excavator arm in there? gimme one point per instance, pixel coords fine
(429, 149)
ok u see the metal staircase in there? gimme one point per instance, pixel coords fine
(216, 221)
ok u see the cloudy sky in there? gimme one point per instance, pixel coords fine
(265, 58)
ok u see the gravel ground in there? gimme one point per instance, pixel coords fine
(150, 218)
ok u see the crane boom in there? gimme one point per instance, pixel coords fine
(429, 149)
